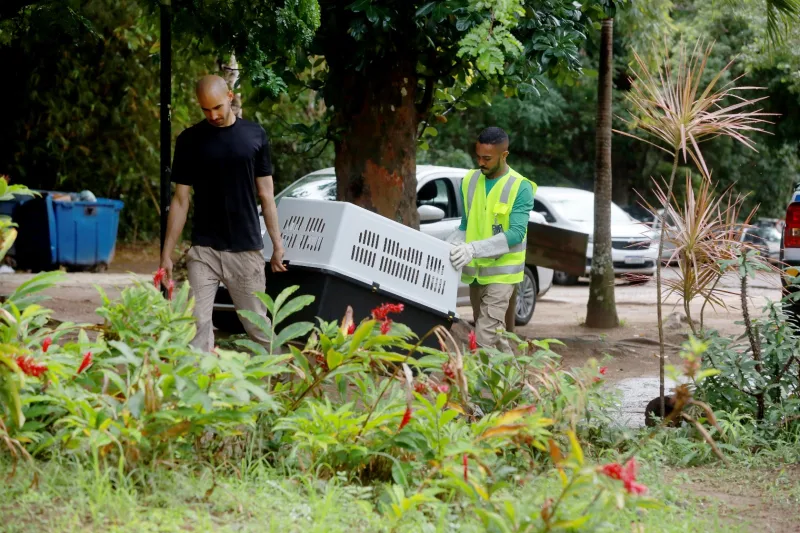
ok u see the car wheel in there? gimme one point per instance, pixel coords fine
(526, 299)
(562, 278)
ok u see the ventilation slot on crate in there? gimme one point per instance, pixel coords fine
(409, 254)
(435, 265)
(289, 240)
(310, 242)
(363, 256)
(369, 238)
(315, 225)
(293, 223)
(399, 270)
(433, 283)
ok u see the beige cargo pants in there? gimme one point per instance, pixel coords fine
(489, 307)
(243, 275)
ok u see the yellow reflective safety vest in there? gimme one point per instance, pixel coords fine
(484, 213)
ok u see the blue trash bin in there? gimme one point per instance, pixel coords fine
(74, 234)
(86, 232)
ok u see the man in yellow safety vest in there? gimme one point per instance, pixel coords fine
(491, 241)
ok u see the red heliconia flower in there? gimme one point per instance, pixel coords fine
(170, 288)
(612, 470)
(473, 341)
(382, 312)
(159, 277)
(386, 325)
(635, 488)
(444, 388)
(603, 370)
(85, 363)
(351, 329)
(46, 344)
(30, 367)
(626, 474)
(406, 418)
(420, 387)
(465, 461)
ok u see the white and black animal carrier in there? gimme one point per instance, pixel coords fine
(344, 255)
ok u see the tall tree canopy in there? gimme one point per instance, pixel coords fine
(385, 68)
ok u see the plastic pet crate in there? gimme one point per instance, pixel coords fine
(345, 255)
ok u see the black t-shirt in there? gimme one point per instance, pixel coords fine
(221, 164)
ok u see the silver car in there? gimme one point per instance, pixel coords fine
(440, 209)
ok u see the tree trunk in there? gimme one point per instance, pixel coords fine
(229, 71)
(376, 149)
(602, 309)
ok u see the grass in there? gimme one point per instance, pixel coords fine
(70, 497)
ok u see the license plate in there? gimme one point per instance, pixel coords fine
(634, 260)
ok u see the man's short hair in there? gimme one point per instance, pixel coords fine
(493, 135)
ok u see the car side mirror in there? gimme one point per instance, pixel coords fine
(430, 213)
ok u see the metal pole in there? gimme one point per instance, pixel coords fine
(165, 108)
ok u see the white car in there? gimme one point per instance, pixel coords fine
(633, 249)
(440, 208)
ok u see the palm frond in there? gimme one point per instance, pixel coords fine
(676, 114)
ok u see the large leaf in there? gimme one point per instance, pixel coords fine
(293, 331)
(291, 307)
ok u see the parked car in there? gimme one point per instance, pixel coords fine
(633, 249)
(440, 209)
(766, 239)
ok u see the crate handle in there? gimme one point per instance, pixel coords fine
(90, 210)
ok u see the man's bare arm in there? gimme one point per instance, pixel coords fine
(178, 210)
(266, 193)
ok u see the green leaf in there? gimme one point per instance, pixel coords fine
(282, 297)
(293, 331)
(334, 359)
(292, 307)
(259, 321)
(266, 299)
(360, 334)
(441, 401)
(430, 130)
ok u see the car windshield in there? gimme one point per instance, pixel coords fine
(580, 208)
(316, 187)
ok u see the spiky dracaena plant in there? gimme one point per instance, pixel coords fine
(671, 110)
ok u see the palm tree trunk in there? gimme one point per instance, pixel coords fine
(601, 310)
(658, 280)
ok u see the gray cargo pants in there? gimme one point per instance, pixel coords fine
(243, 275)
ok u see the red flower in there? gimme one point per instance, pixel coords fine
(159, 277)
(473, 341)
(635, 488)
(386, 325)
(351, 329)
(626, 474)
(30, 367)
(612, 470)
(406, 418)
(420, 388)
(603, 370)
(382, 312)
(464, 460)
(85, 363)
(170, 288)
(448, 371)
(46, 344)
(444, 388)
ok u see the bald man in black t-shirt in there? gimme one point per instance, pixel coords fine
(226, 160)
